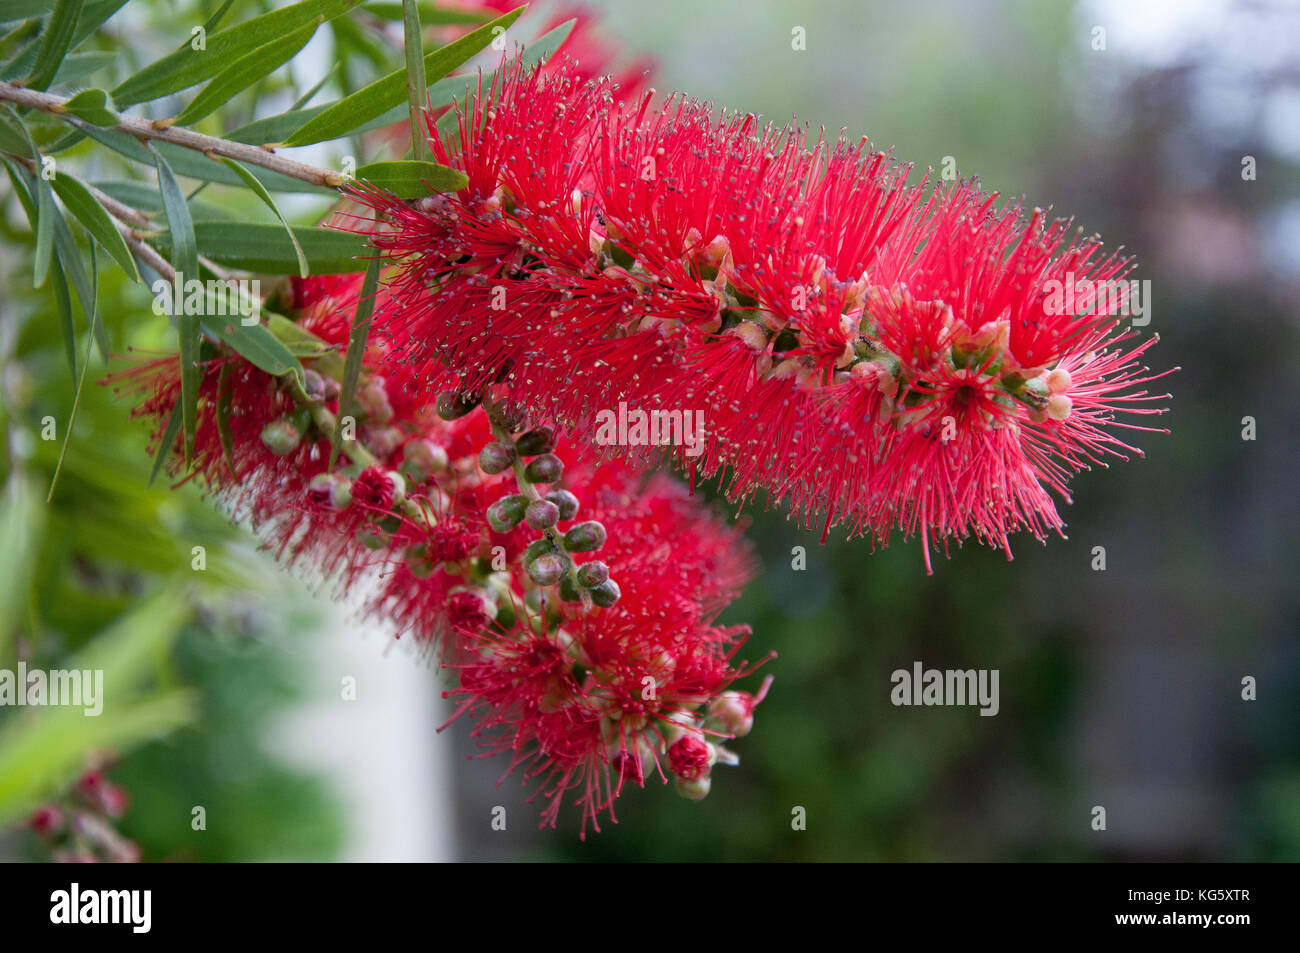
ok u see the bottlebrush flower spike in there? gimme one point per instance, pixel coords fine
(875, 354)
(575, 602)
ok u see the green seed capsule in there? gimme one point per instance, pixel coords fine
(585, 537)
(536, 442)
(281, 437)
(453, 406)
(496, 458)
(545, 469)
(606, 594)
(566, 501)
(546, 570)
(505, 514)
(568, 591)
(542, 514)
(592, 574)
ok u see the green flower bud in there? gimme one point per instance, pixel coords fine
(696, 789)
(505, 514)
(546, 570)
(371, 540)
(313, 385)
(545, 469)
(568, 591)
(536, 442)
(452, 406)
(542, 514)
(373, 401)
(281, 437)
(496, 458)
(585, 537)
(426, 455)
(566, 501)
(606, 594)
(592, 574)
(539, 547)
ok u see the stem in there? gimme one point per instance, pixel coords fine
(210, 146)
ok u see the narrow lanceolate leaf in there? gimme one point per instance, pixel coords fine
(13, 137)
(188, 66)
(218, 15)
(24, 9)
(383, 94)
(356, 351)
(265, 248)
(415, 82)
(430, 15)
(168, 441)
(54, 45)
(265, 196)
(81, 383)
(63, 304)
(92, 106)
(185, 258)
(87, 209)
(44, 225)
(225, 400)
(411, 180)
(245, 71)
(78, 65)
(253, 342)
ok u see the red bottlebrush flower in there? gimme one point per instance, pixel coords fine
(582, 671)
(874, 353)
(374, 488)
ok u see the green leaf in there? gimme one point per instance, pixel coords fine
(40, 756)
(146, 199)
(356, 351)
(87, 209)
(24, 9)
(187, 66)
(81, 383)
(218, 15)
(21, 518)
(383, 94)
(168, 441)
(245, 71)
(429, 14)
(91, 105)
(58, 38)
(93, 16)
(63, 304)
(408, 179)
(416, 84)
(185, 258)
(254, 343)
(13, 136)
(44, 225)
(79, 65)
(265, 196)
(225, 401)
(262, 247)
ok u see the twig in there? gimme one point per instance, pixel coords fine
(210, 146)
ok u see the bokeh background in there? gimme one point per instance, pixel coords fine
(1120, 689)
